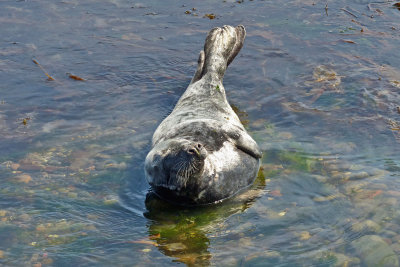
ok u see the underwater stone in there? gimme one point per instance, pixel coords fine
(336, 259)
(374, 251)
(367, 226)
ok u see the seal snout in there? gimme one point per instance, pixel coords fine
(197, 150)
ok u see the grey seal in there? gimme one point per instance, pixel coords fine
(201, 153)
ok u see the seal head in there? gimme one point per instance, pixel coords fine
(201, 152)
(175, 164)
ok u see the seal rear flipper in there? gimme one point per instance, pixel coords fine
(221, 47)
(200, 64)
(240, 35)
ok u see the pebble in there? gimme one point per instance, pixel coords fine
(119, 166)
(396, 248)
(355, 187)
(15, 166)
(2, 254)
(359, 175)
(245, 242)
(282, 213)
(285, 135)
(269, 254)
(391, 201)
(47, 261)
(396, 238)
(328, 198)
(41, 228)
(389, 234)
(320, 178)
(268, 214)
(35, 257)
(24, 217)
(341, 260)
(336, 175)
(368, 226)
(23, 178)
(110, 201)
(305, 235)
(72, 195)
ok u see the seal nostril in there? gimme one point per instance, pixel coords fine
(199, 146)
(191, 151)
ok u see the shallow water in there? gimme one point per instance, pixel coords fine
(317, 86)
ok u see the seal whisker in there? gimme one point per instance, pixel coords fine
(193, 165)
(183, 173)
(181, 169)
(182, 176)
(181, 164)
(176, 165)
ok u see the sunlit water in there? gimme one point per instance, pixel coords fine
(317, 86)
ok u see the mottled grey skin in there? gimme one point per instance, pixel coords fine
(201, 152)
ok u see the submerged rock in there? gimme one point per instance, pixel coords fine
(23, 178)
(334, 259)
(264, 258)
(367, 226)
(396, 248)
(374, 251)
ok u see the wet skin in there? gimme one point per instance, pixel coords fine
(201, 152)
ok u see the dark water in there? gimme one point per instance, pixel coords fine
(317, 85)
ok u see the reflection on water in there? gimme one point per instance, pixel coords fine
(182, 233)
(316, 85)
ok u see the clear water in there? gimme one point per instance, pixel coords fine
(317, 86)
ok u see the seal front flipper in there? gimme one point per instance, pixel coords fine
(244, 142)
(248, 145)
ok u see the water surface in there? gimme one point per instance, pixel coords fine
(316, 84)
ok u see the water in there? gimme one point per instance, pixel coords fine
(317, 86)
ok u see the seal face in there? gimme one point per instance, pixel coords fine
(201, 153)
